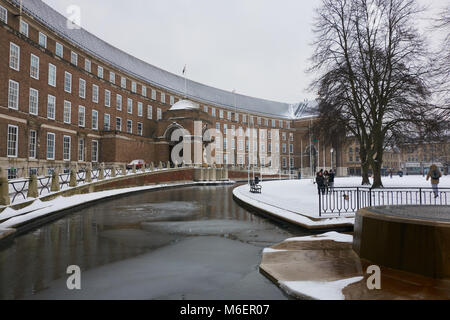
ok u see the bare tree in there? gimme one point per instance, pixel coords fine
(441, 65)
(372, 71)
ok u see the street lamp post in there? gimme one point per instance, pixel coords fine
(331, 151)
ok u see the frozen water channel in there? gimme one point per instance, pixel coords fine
(189, 243)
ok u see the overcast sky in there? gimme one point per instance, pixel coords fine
(258, 47)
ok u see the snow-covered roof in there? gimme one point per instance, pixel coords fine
(146, 72)
(185, 105)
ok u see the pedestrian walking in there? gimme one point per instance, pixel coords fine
(326, 178)
(331, 176)
(435, 174)
(319, 181)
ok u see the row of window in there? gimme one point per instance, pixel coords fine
(14, 63)
(13, 103)
(13, 145)
(59, 49)
(262, 146)
(226, 159)
(248, 132)
(237, 117)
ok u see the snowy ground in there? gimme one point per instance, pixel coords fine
(297, 200)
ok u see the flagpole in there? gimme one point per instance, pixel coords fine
(185, 82)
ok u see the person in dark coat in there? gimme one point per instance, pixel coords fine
(320, 183)
(326, 178)
(435, 174)
(331, 179)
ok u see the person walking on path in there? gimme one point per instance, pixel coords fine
(331, 179)
(320, 182)
(326, 178)
(435, 174)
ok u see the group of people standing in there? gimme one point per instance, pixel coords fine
(325, 181)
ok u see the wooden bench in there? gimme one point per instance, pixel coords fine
(254, 187)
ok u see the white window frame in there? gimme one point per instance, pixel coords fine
(140, 107)
(50, 152)
(81, 120)
(51, 75)
(33, 105)
(100, 72)
(119, 102)
(163, 97)
(14, 56)
(133, 87)
(81, 146)
(94, 120)
(13, 100)
(95, 93)
(129, 126)
(144, 91)
(24, 27)
(118, 124)
(140, 128)
(149, 112)
(123, 82)
(74, 58)
(66, 148)
(15, 142)
(59, 50)
(82, 88)
(34, 66)
(42, 40)
(112, 77)
(67, 82)
(153, 94)
(87, 65)
(94, 151)
(158, 114)
(130, 106)
(67, 117)
(4, 15)
(51, 107)
(107, 124)
(107, 98)
(32, 141)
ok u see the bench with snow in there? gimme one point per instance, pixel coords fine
(255, 187)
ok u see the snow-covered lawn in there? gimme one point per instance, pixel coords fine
(291, 198)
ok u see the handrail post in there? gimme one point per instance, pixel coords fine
(357, 198)
(320, 205)
(420, 195)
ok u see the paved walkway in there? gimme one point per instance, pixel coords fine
(328, 269)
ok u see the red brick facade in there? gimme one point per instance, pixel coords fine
(114, 145)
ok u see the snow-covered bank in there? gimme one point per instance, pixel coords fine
(297, 201)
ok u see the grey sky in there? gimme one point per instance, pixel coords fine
(258, 47)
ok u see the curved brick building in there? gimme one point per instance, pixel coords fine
(68, 97)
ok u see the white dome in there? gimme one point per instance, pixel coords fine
(184, 105)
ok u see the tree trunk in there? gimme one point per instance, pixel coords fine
(365, 173)
(376, 167)
(364, 165)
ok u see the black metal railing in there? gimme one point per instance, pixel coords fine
(344, 200)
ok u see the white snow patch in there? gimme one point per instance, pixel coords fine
(321, 290)
(270, 250)
(333, 235)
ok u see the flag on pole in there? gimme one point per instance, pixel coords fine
(184, 69)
